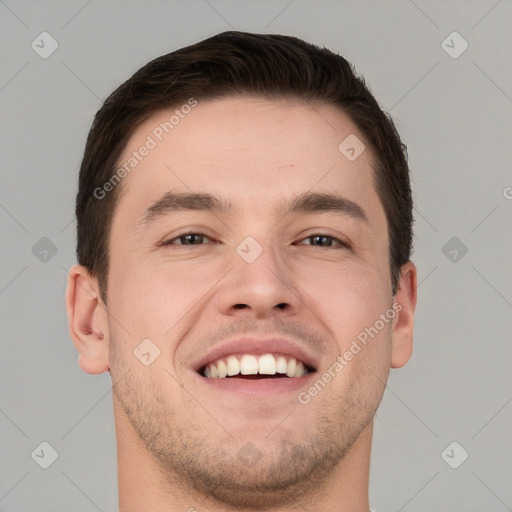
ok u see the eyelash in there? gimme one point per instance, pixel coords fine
(343, 245)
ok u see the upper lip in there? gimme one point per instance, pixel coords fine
(258, 346)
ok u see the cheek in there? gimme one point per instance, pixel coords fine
(349, 297)
(153, 297)
(353, 302)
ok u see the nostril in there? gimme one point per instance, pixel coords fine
(240, 306)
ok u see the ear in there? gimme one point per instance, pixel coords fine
(87, 321)
(403, 322)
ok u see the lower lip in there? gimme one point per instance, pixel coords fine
(255, 387)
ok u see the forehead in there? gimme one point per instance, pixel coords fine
(245, 149)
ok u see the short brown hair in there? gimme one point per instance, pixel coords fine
(232, 63)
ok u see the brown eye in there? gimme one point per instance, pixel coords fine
(321, 240)
(187, 239)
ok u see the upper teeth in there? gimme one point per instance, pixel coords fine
(248, 364)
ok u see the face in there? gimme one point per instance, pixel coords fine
(243, 276)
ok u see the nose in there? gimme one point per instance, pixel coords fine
(261, 288)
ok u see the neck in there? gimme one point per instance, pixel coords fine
(144, 485)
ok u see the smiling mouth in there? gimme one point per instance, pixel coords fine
(251, 367)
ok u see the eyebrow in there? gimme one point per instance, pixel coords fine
(307, 203)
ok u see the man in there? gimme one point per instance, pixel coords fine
(244, 232)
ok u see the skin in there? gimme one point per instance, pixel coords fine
(178, 440)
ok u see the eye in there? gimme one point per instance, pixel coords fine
(325, 241)
(191, 238)
(317, 239)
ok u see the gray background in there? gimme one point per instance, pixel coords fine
(455, 114)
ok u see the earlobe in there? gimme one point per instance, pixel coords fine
(87, 320)
(403, 323)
